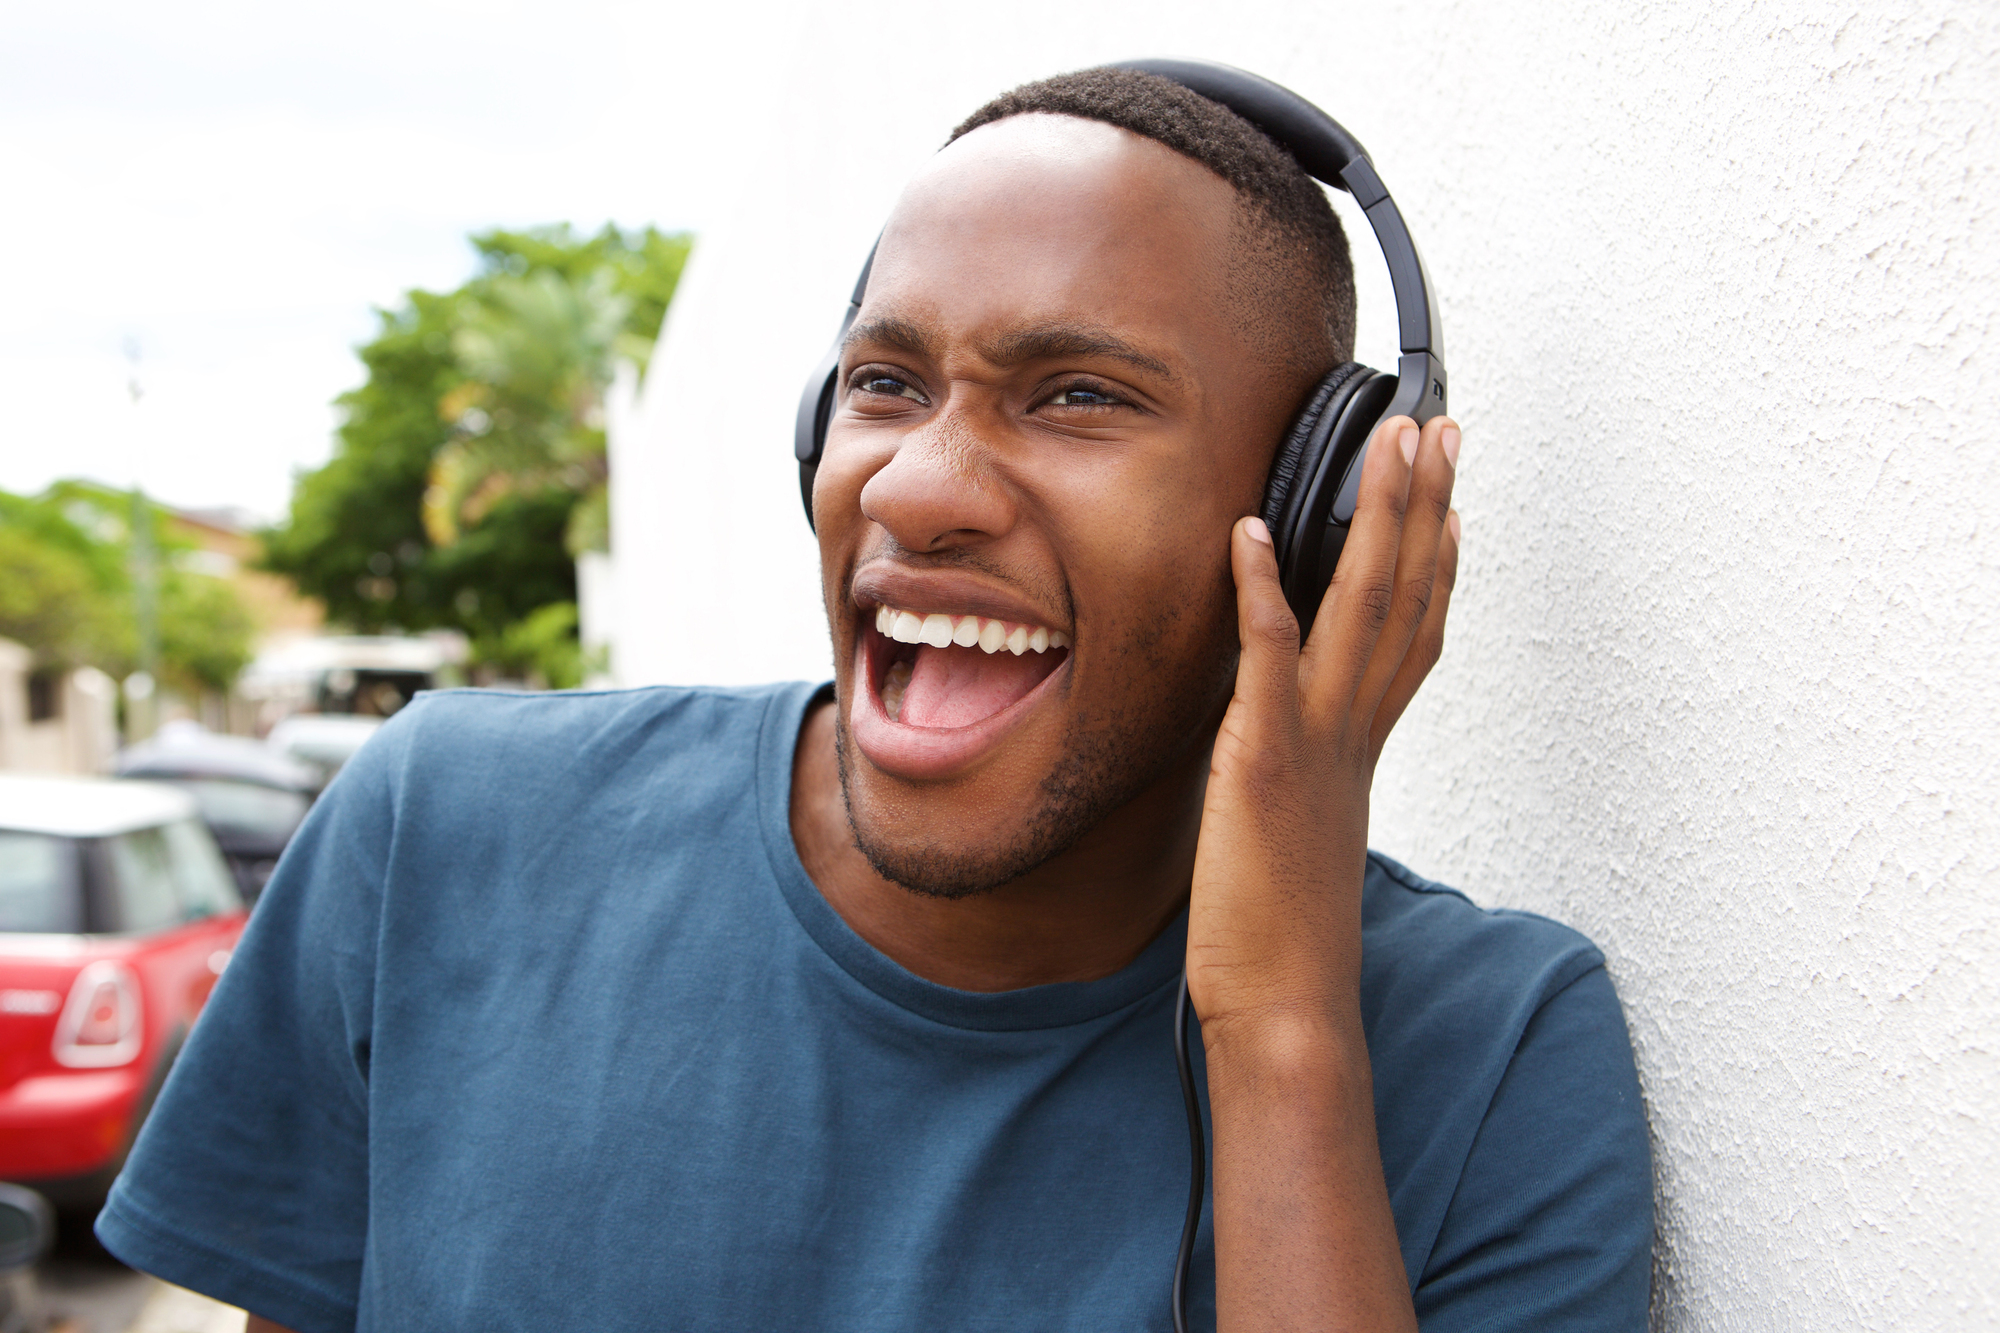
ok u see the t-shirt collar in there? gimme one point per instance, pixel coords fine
(1059, 1005)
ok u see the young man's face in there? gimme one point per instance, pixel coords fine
(1050, 414)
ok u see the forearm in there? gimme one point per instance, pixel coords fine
(1304, 1236)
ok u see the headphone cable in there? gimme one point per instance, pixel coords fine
(1198, 1158)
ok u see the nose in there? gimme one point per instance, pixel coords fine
(940, 490)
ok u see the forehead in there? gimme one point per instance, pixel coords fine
(1041, 218)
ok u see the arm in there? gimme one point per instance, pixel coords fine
(259, 1324)
(1304, 1235)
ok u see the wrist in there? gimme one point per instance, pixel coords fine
(1283, 1053)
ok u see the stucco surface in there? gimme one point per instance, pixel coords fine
(1719, 285)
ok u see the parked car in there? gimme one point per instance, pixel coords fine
(117, 914)
(250, 795)
(323, 740)
(26, 1226)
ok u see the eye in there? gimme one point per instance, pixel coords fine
(1085, 395)
(873, 379)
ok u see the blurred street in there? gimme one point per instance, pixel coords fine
(85, 1290)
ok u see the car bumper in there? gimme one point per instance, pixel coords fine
(59, 1125)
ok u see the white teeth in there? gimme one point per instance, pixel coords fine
(989, 636)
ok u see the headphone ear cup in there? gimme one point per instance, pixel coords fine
(809, 427)
(1300, 450)
(809, 435)
(1300, 491)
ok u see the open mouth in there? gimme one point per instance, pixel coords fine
(941, 671)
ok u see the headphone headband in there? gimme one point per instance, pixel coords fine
(1327, 152)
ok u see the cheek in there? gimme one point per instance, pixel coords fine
(838, 524)
(1159, 596)
(843, 470)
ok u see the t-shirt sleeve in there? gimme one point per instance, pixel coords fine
(1551, 1225)
(249, 1182)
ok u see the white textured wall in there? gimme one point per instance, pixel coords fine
(1719, 284)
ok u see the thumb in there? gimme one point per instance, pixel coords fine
(1267, 674)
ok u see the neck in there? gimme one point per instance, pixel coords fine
(1082, 915)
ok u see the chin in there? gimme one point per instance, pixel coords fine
(1002, 825)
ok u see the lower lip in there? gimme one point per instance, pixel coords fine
(928, 753)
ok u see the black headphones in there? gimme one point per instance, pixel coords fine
(1316, 476)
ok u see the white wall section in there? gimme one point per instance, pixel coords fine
(1719, 284)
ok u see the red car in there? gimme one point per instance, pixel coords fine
(117, 913)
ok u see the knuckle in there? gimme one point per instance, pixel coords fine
(1416, 600)
(1273, 624)
(1397, 503)
(1377, 601)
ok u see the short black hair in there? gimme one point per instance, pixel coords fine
(1295, 237)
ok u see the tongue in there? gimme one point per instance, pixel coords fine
(956, 687)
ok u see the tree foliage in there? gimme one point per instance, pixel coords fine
(469, 467)
(67, 590)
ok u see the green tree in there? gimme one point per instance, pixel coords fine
(66, 591)
(470, 465)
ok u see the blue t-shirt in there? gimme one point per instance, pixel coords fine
(541, 1025)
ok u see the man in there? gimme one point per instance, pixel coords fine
(799, 1009)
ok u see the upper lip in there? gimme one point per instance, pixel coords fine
(947, 592)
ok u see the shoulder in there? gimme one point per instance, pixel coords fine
(1508, 1110)
(1428, 945)
(495, 741)
(460, 721)
(499, 767)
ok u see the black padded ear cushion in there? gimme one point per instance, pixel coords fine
(1292, 463)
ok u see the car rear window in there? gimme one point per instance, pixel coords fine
(169, 874)
(201, 876)
(143, 881)
(38, 884)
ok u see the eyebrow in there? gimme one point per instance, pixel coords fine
(893, 332)
(1041, 342)
(1062, 340)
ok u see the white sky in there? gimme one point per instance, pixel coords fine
(233, 186)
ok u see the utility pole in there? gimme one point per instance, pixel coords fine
(141, 687)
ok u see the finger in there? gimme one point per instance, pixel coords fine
(1424, 514)
(1428, 645)
(1267, 673)
(1363, 591)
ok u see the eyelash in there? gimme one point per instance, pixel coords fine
(1087, 386)
(866, 376)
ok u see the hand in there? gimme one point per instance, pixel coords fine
(1274, 927)
(1304, 1235)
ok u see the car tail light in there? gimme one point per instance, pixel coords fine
(101, 1025)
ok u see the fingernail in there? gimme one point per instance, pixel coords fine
(1254, 528)
(1450, 437)
(1408, 439)
(1452, 520)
